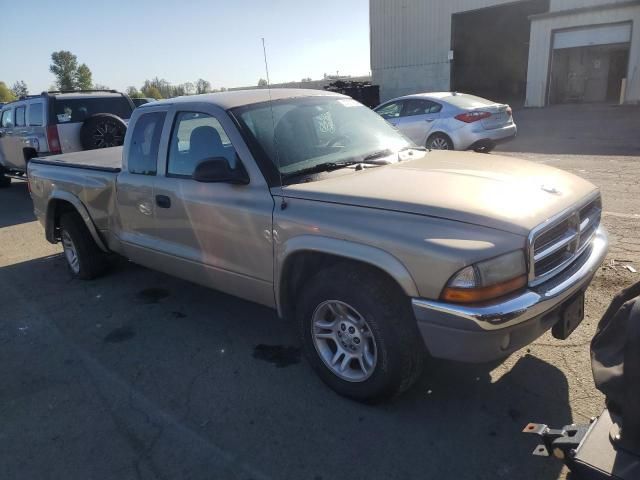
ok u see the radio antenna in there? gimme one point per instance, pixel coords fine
(283, 205)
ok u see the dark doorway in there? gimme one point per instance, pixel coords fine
(491, 50)
(589, 74)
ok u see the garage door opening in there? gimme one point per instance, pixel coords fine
(588, 65)
(491, 50)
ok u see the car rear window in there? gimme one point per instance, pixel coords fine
(462, 100)
(72, 110)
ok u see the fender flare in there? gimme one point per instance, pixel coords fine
(59, 195)
(373, 256)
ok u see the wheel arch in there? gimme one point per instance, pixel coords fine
(64, 202)
(302, 256)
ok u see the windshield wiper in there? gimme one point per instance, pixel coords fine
(379, 154)
(322, 167)
(422, 149)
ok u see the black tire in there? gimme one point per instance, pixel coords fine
(5, 182)
(439, 141)
(399, 347)
(102, 130)
(488, 148)
(92, 261)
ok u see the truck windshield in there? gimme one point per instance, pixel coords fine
(313, 131)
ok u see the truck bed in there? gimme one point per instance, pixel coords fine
(89, 177)
(105, 160)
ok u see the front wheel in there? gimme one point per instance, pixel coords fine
(358, 332)
(439, 141)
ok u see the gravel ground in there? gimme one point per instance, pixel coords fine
(138, 375)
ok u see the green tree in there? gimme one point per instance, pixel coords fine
(64, 65)
(6, 95)
(20, 89)
(133, 92)
(189, 88)
(152, 92)
(202, 86)
(84, 80)
(262, 83)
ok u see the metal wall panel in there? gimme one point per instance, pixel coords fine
(599, 35)
(410, 42)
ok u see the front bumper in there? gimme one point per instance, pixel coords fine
(491, 331)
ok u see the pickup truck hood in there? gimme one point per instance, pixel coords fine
(490, 190)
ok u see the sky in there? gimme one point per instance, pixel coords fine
(126, 42)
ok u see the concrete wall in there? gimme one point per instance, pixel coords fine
(541, 37)
(410, 41)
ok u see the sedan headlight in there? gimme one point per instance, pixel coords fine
(488, 279)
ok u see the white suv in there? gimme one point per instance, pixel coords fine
(59, 122)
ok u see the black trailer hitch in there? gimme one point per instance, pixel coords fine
(562, 443)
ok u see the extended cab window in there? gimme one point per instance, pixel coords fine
(7, 120)
(194, 138)
(20, 116)
(145, 141)
(35, 114)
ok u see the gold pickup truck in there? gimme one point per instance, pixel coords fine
(384, 254)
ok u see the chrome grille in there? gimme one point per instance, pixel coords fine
(554, 246)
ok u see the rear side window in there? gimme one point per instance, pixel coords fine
(196, 137)
(420, 107)
(74, 110)
(20, 118)
(7, 121)
(145, 142)
(35, 114)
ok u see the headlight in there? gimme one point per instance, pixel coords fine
(487, 280)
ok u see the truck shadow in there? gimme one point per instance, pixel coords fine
(185, 364)
(15, 205)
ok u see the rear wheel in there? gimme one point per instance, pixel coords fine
(439, 141)
(486, 148)
(358, 332)
(84, 259)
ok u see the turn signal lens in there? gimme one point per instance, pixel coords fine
(482, 294)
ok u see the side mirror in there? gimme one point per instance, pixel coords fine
(217, 170)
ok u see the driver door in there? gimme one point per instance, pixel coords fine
(216, 234)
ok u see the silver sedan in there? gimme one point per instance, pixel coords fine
(450, 120)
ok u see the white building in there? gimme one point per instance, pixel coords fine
(532, 52)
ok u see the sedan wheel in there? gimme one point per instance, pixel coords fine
(439, 142)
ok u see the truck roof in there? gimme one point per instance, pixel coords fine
(240, 98)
